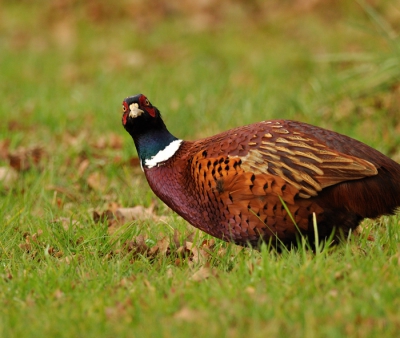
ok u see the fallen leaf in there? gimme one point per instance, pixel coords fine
(104, 216)
(208, 244)
(4, 145)
(203, 273)
(127, 282)
(8, 176)
(119, 310)
(140, 242)
(116, 141)
(250, 290)
(169, 273)
(136, 246)
(187, 314)
(82, 167)
(8, 275)
(24, 158)
(198, 254)
(333, 293)
(58, 294)
(68, 259)
(100, 143)
(161, 247)
(97, 181)
(150, 287)
(110, 141)
(139, 212)
(25, 247)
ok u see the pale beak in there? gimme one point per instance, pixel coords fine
(135, 111)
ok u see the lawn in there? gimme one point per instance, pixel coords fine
(72, 266)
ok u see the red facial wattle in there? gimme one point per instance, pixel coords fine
(146, 105)
(151, 111)
(126, 112)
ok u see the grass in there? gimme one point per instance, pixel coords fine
(65, 68)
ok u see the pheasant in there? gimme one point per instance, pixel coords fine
(264, 181)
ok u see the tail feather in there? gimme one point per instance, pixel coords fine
(369, 197)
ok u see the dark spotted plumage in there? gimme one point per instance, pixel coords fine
(238, 185)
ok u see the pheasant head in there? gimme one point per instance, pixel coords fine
(142, 120)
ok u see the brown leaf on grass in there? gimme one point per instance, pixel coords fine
(112, 141)
(182, 249)
(68, 259)
(30, 301)
(333, 293)
(140, 244)
(64, 33)
(187, 314)
(106, 215)
(36, 235)
(203, 273)
(83, 165)
(148, 285)
(4, 146)
(178, 238)
(208, 244)
(74, 141)
(97, 181)
(199, 255)
(58, 294)
(116, 216)
(7, 275)
(250, 290)
(25, 158)
(169, 273)
(364, 228)
(114, 219)
(33, 244)
(116, 141)
(119, 310)
(15, 125)
(8, 176)
(138, 212)
(101, 142)
(136, 246)
(161, 247)
(127, 282)
(25, 246)
(189, 251)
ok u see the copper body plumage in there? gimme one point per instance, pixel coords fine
(239, 185)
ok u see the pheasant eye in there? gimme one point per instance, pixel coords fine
(147, 103)
(124, 107)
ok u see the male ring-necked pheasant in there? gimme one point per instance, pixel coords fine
(235, 185)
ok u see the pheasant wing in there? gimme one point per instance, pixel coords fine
(302, 159)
